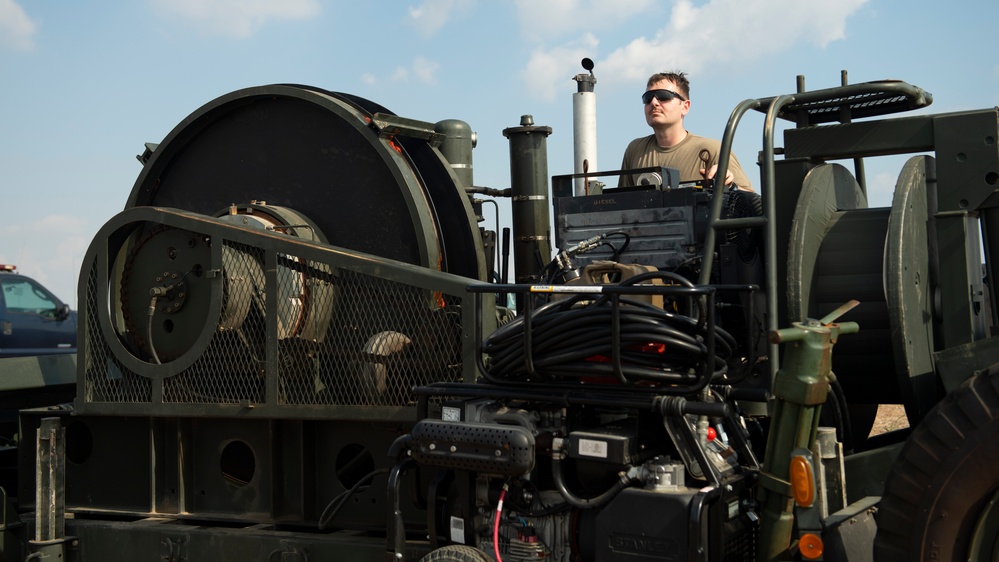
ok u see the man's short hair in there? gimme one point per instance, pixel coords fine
(676, 77)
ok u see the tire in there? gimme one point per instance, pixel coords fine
(937, 496)
(457, 553)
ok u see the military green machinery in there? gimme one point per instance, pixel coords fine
(293, 347)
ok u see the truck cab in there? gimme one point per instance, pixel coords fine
(33, 321)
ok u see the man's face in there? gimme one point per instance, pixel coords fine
(665, 113)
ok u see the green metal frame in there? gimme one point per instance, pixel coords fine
(272, 245)
(966, 145)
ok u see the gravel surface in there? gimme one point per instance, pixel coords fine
(890, 417)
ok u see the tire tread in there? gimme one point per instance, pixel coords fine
(949, 429)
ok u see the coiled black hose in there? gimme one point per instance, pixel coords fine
(571, 340)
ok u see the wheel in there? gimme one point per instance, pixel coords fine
(457, 553)
(940, 498)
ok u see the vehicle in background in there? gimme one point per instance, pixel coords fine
(33, 321)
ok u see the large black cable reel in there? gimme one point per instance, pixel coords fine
(303, 155)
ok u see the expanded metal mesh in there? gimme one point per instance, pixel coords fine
(105, 378)
(383, 338)
(305, 333)
(232, 368)
(862, 104)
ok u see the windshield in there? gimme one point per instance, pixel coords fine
(24, 296)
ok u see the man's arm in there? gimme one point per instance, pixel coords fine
(734, 175)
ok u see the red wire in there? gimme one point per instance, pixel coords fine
(496, 523)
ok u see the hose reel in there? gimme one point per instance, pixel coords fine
(840, 250)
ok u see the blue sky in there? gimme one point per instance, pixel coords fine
(83, 84)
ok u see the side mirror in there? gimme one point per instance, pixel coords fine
(62, 312)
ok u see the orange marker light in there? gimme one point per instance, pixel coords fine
(811, 546)
(802, 483)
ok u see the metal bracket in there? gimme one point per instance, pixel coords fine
(392, 125)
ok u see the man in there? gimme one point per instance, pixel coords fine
(667, 100)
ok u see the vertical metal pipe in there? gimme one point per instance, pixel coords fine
(50, 481)
(769, 188)
(50, 492)
(584, 128)
(529, 201)
(858, 163)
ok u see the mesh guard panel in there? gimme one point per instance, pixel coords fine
(295, 329)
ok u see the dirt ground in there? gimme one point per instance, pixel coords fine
(890, 417)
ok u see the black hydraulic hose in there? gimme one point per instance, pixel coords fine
(702, 314)
(625, 235)
(558, 322)
(585, 503)
(563, 333)
(842, 411)
(680, 353)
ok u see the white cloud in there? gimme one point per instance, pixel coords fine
(545, 74)
(425, 70)
(369, 79)
(724, 32)
(553, 18)
(430, 16)
(695, 38)
(17, 31)
(400, 74)
(237, 19)
(421, 69)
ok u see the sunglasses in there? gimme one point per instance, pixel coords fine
(661, 95)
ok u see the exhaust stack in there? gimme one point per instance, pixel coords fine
(584, 130)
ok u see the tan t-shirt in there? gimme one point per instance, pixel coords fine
(644, 152)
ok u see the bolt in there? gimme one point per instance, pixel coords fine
(453, 448)
(433, 446)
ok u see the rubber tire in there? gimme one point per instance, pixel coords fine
(944, 476)
(457, 553)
